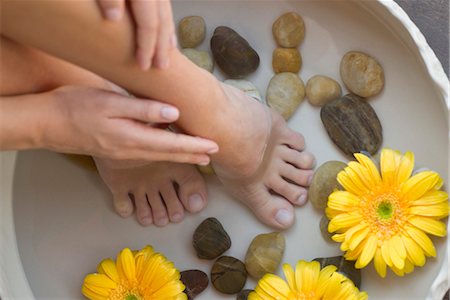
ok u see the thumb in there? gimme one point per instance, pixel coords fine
(112, 10)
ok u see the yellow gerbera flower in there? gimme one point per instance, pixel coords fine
(308, 282)
(135, 275)
(386, 217)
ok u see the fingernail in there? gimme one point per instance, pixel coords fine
(301, 200)
(284, 217)
(146, 221)
(113, 14)
(196, 202)
(169, 113)
(173, 41)
(213, 150)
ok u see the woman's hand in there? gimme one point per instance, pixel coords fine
(82, 120)
(155, 30)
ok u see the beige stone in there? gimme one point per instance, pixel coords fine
(322, 89)
(201, 58)
(286, 60)
(289, 30)
(191, 31)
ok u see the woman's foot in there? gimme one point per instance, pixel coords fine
(161, 191)
(267, 167)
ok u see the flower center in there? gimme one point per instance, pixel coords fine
(131, 297)
(385, 210)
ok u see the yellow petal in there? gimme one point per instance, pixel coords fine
(439, 210)
(310, 275)
(254, 296)
(354, 254)
(397, 271)
(358, 237)
(385, 253)
(430, 198)
(372, 171)
(388, 165)
(343, 201)
(108, 267)
(168, 290)
(379, 263)
(290, 276)
(368, 252)
(344, 220)
(397, 261)
(126, 265)
(405, 168)
(414, 252)
(409, 267)
(416, 186)
(397, 243)
(363, 296)
(422, 240)
(347, 183)
(90, 294)
(356, 174)
(100, 284)
(274, 286)
(429, 225)
(301, 264)
(338, 237)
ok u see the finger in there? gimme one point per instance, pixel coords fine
(146, 17)
(165, 36)
(148, 111)
(112, 10)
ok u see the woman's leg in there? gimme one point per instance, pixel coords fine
(74, 30)
(151, 185)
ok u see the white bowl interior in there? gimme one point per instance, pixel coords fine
(63, 217)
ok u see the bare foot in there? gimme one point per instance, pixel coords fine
(161, 191)
(266, 168)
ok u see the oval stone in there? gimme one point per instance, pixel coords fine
(286, 60)
(245, 86)
(200, 58)
(243, 295)
(324, 221)
(362, 74)
(191, 31)
(289, 30)
(264, 254)
(324, 182)
(352, 125)
(228, 275)
(232, 53)
(210, 239)
(195, 282)
(345, 267)
(321, 90)
(285, 93)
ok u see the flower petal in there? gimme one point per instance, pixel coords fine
(416, 186)
(90, 294)
(372, 171)
(344, 220)
(290, 276)
(430, 198)
(388, 165)
(358, 237)
(126, 265)
(398, 246)
(356, 173)
(379, 263)
(100, 284)
(429, 225)
(422, 240)
(108, 267)
(439, 210)
(397, 261)
(405, 168)
(343, 201)
(385, 253)
(310, 275)
(367, 253)
(273, 286)
(347, 183)
(414, 252)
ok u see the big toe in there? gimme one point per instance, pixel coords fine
(275, 212)
(123, 205)
(192, 190)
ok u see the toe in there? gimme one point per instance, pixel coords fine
(175, 209)
(297, 176)
(143, 210)
(302, 160)
(159, 210)
(295, 140)
(192, 190)
(293, 193)
(123, 205)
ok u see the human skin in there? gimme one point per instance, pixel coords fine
(260, 161)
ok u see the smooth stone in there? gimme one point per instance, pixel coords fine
(345, 267)
(322, 89)
(210, 239)
(243, 295)
(264, 254)
(324, 221)
(191, 31)
(228, 275)
(289, 30)
(232, 53)
(286, 60)
(285, 93)
(201, 58)
(247, 87)
(324, 182)
(352, 125)
(362, 74)
(195, 281)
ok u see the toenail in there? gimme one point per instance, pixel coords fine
(310, 178)
(162, 222)
(176, 217)
(146, 221)
(195, 202)
(301, 200)
(284, 217)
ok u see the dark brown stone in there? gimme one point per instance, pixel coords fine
(228, 275)
(195, 282)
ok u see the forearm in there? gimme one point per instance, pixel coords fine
(22, 121)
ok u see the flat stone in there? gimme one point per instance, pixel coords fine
(324, 182)
(289, 30)
(195, 281)
(285, 93)
(286, 60)
(322, 89)
(228, 275)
